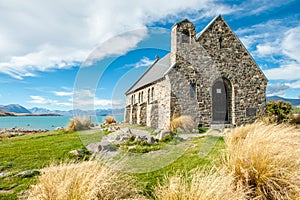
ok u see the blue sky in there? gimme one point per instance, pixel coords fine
(54, 52)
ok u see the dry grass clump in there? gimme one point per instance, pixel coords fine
(295, 119)
(200, 186)
(265, 159)
(78, 124)
(83, 181)
(109, 120)
(184, 122)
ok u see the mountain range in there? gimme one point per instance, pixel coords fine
(16, 108)
(98, 112)
(294, 102)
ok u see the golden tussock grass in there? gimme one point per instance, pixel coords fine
(184, 122)
(295, 119)
(83, 181)
(109, 120)
(78, 124)
(200, 185)
(265, 159)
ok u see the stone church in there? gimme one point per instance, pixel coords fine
(209, 76)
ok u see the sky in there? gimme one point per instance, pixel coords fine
(68, 54)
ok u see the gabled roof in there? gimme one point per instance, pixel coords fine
(219, 17)
(208, 25)
(155, 72)
(161, 67)
(183, 21)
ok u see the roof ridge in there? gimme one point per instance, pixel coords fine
(151, 74)
(208, 25)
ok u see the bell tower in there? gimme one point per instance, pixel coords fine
(183, 34)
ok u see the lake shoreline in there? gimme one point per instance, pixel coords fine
(45, 122)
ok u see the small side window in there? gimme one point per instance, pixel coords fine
(142, 97)
(152, 94)
(185, 36)
(149, 95)
(193, 90)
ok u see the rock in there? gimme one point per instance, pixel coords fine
(181, 130)
(163, 134)
(150, 140)
(2, 174)
(131, 147)
(138, 139)
(126, 130)
(28, 173)
(157, 131)
(124, 138)
(98, 147)
(59, 128)
(77, 152)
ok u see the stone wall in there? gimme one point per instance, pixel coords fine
(236, 64)
(217, 54)
(152, 108)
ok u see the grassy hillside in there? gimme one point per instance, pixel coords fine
(31, 152)
(38, 151)
(247, 165)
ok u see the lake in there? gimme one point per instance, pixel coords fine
(45, 122)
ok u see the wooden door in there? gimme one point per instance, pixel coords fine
(219, 102)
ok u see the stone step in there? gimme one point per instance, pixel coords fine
(220, 126)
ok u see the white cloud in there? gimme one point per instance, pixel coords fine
(85, 99)
(45, 35)
(44, 101)
(266, 49)
(256, 7)
(276, 42)
(63, 94)
(117, 46)
(291, 44)
(144, 62)
(277, 89)
(294, 85)
(288, 71)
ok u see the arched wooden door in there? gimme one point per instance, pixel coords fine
(220, 102)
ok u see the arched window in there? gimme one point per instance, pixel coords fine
(192, 90)
(152, 94)
(148, 95)
(134, 99)
(142, 98)
(185, 36)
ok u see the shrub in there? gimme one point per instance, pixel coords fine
(265, 159)
(202, 129)
(106, 131)
(85, 180)
(184, 122)
(278, 111)
(78, 124)
(109, 120)
(200, 186)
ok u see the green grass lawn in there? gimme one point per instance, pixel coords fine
(197, 155)
(37, 151)
(296, 110)
(32, 152)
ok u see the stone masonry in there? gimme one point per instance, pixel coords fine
(210, 76)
